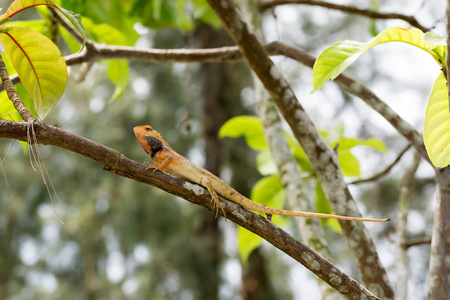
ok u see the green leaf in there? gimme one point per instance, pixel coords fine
(39, 64)
(247, 242)
(105, 33)
(375, 6)
(334, 60)
(118, 72)
(265, 163)
(247, 126)
(436, 133)
(301, 158)
(349, 164)
(116, 13)
(349, 143)
(323, 206)
(435, 39)
(205, 13)
(19, 5)
(268, 191)
(37, 25)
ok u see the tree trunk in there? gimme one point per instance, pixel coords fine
(438, 280)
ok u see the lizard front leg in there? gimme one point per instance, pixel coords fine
(206, 182)
(161, 166)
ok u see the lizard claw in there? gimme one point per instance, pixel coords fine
(214, 198)
(217, 205)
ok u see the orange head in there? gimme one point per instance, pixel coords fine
(150, 139)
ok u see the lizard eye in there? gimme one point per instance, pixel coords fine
(148, 128)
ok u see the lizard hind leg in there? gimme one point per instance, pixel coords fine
(216, 203)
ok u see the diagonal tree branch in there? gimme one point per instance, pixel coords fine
(359, 90)
(117, 163)
(347, 9)
(311, 230)
(322, 158)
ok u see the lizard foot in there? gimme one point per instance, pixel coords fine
(217, 205)
(151, 167)
(214, 198)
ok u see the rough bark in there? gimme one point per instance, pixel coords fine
(322, 158)
(310, 230)
(439, 279)
(439, 273)
(12, 93)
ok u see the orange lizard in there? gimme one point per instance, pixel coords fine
(169, 161)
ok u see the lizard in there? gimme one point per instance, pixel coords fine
(169, 161)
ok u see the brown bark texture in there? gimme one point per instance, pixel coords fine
(322, 158)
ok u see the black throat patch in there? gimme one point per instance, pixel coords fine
(155, 144)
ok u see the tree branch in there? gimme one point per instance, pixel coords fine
(385, 171)
(12, 93)
(417, 242)
(347, 9)
(311, 230)
(359, 90)
(322, 158)
(226, 54)
(439, 272)
(117, 163)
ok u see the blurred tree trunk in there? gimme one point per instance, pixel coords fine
(439, 280)
(8, 257)
(212, 86)
(255, 280)
(219, 103)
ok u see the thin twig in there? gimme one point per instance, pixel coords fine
(417, 242)
(385, 171)
(347, 9)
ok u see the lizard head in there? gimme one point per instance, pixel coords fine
(150, 139)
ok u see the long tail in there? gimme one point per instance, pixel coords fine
(281, 212)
